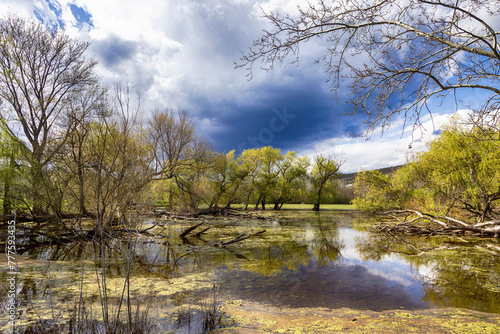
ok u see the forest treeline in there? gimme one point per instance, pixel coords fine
(72, 147)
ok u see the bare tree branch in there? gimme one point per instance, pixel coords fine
(395, 56)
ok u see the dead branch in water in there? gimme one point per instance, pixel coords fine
(189, 229)
(239, 238)
(201, 232)
(409, 224)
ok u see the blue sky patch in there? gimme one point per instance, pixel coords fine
(82, 16)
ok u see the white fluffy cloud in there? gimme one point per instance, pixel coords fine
(393, 148)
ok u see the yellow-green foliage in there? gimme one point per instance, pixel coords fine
(373, 191)
(459, 174)
(462, 167)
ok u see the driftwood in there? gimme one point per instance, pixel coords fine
(408, 224)
(239, 238)
(189, 229)
(201, 232)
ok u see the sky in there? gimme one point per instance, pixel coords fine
(182, 54)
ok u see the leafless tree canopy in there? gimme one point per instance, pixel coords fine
(172, 136)
(39, 74)
(396, 55)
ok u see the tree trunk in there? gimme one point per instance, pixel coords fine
(190, 229)
(170, 199)
(318, 200)
(36, 185)
(36, 179)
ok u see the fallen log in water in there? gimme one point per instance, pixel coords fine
(189, 229)
(408, 223)
(239, 238)
(201, 232)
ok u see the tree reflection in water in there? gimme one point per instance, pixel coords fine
(455, 272)
(322, 259)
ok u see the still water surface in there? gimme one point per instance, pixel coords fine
(331, 260)
(348, 281)
(304, 259)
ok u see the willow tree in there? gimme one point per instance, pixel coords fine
(462, 165)
(396, 56)
(11, 171)
(226, 179)
(180, 156)
(263, 166)
(325, 168)
(40, 71)
(292, 172)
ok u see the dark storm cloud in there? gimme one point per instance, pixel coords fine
(193, 68)
(290, 107)
(283, 116)
(114, 50)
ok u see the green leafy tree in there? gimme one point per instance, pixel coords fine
(458, 174)
(228, 177)
(263, 165)
(325, 169)
(292, 171)
(12, 171)
(248, 161)
(373, 191)
(462, 167)
(193, 173)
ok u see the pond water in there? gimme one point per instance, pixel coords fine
(304, 259)
(330, 260)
